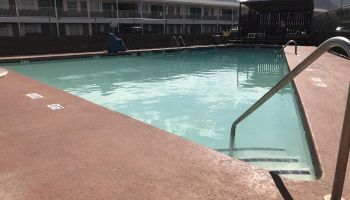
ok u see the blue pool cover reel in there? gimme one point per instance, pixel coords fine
(114, 44)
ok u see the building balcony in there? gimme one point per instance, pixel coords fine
(83, 13)
(173, 16)
(206, 17)
(104, 13)
(129, 14)
(40, 12)
(226, 17)
(194, 16)
(71, 13)
(153, 15)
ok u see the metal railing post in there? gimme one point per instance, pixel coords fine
(343, 155)
(295, 45)
(232, 140)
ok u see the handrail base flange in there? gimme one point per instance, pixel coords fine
(329, 197)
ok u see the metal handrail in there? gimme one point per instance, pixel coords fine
(183, 42)
(295, 44)
(341, 42)
(177, 42)
(343, 155)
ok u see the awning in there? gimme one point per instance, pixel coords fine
(278, 5)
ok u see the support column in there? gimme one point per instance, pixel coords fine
(202, 12)
(164, 28)
(18, 23)
(217, 19)
(117, 7)
(183, 19)
(56, 14)
(239, 20)
(89, 16)
(141, 14)
(232, 16)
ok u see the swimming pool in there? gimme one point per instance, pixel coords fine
(197, 95)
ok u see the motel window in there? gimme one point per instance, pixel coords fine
(178, 10)
(226, 12)
(206, 11)
(72, 5)
(212, 11)
(95, 6)
(4, 4)
(29, 4)
(171, 10)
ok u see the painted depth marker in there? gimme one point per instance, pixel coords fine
(34, 96)
(318, 82)
(55, 106)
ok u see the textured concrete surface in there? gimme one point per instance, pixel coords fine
(84, 151)
(323, 89)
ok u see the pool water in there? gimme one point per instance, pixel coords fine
(196, 95)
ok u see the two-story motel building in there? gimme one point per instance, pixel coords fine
(89, 17)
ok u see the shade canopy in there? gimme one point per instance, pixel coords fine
(278, 5)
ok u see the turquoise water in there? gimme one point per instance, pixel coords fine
(196, 95)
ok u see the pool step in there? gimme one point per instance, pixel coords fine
(275, 160)
(301, 174)
(266, 153)
(286, 166)
(271, 159)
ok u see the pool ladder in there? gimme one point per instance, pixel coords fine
(177, 41)
(295, 46)
(344, 147)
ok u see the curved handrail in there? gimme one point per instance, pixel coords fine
(295, 44)
(344, 146)
(177, 42)
(182, 40)
(342, 42)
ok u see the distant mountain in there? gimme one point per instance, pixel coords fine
(329, 4)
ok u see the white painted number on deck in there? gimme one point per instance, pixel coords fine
(34, 95)
(55, 106)
(318, 82)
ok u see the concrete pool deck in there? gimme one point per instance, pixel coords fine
(322, 89)
(84, 151)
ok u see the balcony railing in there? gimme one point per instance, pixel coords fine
(129, 14)
(8, 12)
(172, 15)
(194, 16)
(51, 12)
(206, 17)
(71, 13)
(42, 11)
(153, 15)
(104, 13)
(226, 17)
